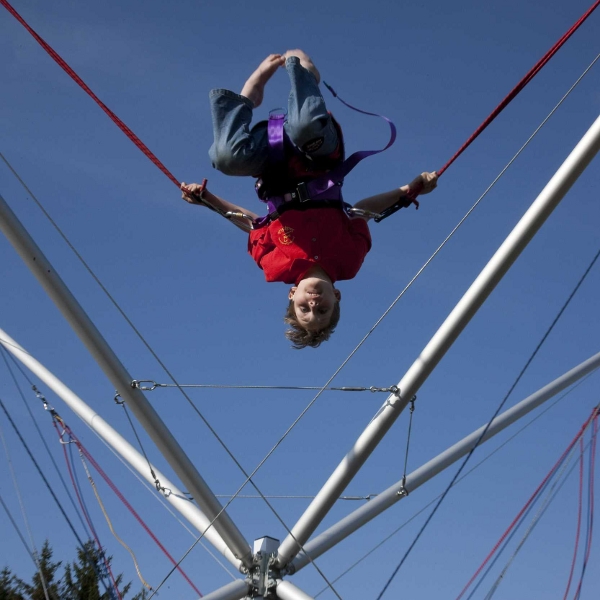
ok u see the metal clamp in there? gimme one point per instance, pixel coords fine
(137, 384)
(361, 212)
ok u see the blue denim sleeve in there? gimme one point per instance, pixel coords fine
(237, 149)
(308, 125)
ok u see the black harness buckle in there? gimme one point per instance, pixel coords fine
(300, 194)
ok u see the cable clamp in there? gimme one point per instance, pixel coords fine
(412, 404)
(116, 399)
(369, 214)
(402, 492)
(138, 384)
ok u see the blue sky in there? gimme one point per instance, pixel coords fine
(182, 275)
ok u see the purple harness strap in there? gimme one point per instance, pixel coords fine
(275, 136)
(327, 187)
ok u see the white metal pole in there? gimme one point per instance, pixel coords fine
(120, 378)
(236, 590)
(458, 319)
(389, 497)
(288, 591)
(175, 496)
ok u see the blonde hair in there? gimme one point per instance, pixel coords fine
(301, 337)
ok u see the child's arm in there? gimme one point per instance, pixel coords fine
(194, 193)
(378, 203)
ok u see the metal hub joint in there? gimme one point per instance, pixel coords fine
(264, 574)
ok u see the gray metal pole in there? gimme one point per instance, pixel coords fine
(288, 591)
(389, 497)
(175, 497)
(236, 590)
(120, 378)
(458, 319)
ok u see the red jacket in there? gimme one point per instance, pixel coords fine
(287, 247)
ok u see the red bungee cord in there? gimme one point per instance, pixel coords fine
(62, 63)
(534, 71)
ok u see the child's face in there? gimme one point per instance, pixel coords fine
(314, 299)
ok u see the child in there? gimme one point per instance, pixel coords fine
(311, 244)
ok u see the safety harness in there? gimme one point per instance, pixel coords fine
(319, 185)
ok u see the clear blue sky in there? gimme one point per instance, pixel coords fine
(182, 275)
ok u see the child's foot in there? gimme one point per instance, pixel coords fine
(254, 88)
(305, 61)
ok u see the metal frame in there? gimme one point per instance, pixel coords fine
(458, 319)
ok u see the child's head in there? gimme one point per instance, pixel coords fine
(313, 311)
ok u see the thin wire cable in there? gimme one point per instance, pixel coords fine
(13, 475)
(410, 420)
(459, 480)
(502, 403)
(5, 353)
(257, 387)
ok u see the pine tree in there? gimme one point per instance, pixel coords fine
(35, 591)
(87, 578)
(83, 579)
(9, 586)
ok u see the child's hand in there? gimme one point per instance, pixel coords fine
(192, 192)
(424, 183)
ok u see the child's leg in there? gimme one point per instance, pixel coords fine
(308, 124)
(238, 150)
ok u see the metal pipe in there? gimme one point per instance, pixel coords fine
(356, 519)
(236, 590)
(121, 380)
(458, 319)
(175, 497)
(288, 591)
